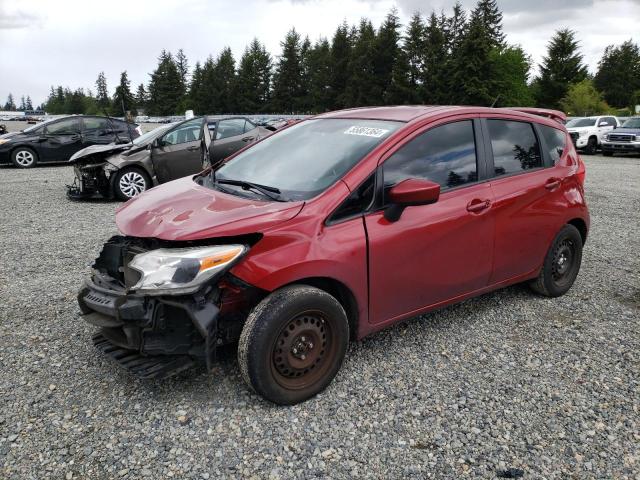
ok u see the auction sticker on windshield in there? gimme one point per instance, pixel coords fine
(366, 131)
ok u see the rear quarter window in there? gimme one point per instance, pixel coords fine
(515, 147)
(555, 142)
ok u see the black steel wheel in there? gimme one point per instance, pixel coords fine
(293, 344)
(561, 264)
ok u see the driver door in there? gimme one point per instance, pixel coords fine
(179, 152)
(60, 140)
(229, 138)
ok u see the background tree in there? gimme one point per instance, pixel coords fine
(618, 76)
(386, 54)
(254, 79)
(10, 104)
(561, 67)
(341, 52)
(287, 89)
(414, 49)
(362, 88)
(141, 98)
(224, 74)
(436, 68)
(23, 105)
(512, 66)
(582, 99)
(102, 93)
(319, 76)
(491, 18)
(123, 97)
(165, 87)
(28, 105)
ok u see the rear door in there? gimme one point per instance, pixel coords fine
(96, 131)
(525, 186)
(60, 140)
(179, 152)
(433, 253)
(229, 138)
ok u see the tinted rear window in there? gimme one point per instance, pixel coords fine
(555, 141)
(515, 147)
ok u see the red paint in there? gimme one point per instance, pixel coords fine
(415, 191)
(471, 240)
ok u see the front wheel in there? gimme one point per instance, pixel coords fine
(561, 265)
(293, 344)
(130, 182)
(592, 144)
(24, 157)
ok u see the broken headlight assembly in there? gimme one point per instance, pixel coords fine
(177, 271)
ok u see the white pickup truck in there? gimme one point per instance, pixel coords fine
(587, 132)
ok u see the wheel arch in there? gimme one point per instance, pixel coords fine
(581, 225)
(340, 292)
(28, 147)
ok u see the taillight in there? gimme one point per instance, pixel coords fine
(582, 171)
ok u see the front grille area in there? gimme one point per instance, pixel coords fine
(621, 137)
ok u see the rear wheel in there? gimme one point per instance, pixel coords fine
(130, 182)
(293, 344)
(24, 157)
(592, 144)
(561, 265)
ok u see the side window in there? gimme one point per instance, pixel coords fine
(444, 154)
(612, 121)
(248, 126)
(187, 132)
(230, 128)
(357, 202)
(555, 141)
(93, 124)
(515, 147)
(69, 126)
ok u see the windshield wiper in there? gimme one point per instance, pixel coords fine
(267, 191)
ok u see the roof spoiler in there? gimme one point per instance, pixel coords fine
(556, 115)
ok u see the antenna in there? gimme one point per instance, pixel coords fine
(495, 101)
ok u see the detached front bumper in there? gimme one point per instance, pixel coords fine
(153, 337)
(90, 182)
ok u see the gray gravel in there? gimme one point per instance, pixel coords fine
(508, 380)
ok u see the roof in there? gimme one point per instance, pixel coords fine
(404, 113)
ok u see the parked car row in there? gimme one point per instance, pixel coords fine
(331, 229)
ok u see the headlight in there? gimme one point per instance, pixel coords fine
(4, 140)
(176, 271)
(606, 137)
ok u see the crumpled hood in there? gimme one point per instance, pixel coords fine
(183, 210)
(93, 149)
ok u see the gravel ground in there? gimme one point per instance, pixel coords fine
(505, 381)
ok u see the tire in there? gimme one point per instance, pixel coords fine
(607, 154)
(130, 182)
(24, 157)
(293, 344)
(592, 144)
(561, 264)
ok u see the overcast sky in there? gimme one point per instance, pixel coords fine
(68, 42)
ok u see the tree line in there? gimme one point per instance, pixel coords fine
(454, 58)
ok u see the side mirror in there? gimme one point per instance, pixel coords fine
(410, 192)
(604, 124)
(157, 143)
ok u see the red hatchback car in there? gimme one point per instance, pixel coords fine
(331, 229)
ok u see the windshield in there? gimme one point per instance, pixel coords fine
(149, 136)
(581, 122)
(631, 123)
(305, 159)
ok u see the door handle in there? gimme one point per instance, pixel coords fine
(552, 183)
(193, 149)
(247, 139)
(476, 205)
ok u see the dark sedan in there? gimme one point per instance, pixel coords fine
(57, 140)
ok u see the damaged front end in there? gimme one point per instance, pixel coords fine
(93, 171)
(163, 306)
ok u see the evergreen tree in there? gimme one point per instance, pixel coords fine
(414, 51)
(225, 76)
(512, 66)
(618, 75)
(11, 104)
(561, 67)
(183, 68)
(435, 70)
(22, 106)
(491, 18)
(195, 89)
(141, 98)
(319, 64)
(387, 50)
(205, 95)
(287, 89)
(254, 79)
(341, 53)
(305, 75)
(362, 88)
(400, 91)
(165, 87)
(28, 104)
(123, 97)
(454, 28)
(102, 93)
